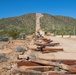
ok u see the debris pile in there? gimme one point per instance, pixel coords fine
(29, 63)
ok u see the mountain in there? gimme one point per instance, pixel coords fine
(26, 24)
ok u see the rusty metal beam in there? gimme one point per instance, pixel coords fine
(27, 63)
(70, 69)
(50, 44)
(53, 49)
(68, 62)
(47, 40)
(46, 50)
(60, 74)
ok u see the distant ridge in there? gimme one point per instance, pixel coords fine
(26, 24)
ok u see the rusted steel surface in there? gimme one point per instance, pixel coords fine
(40, 70)
(45, 69)
(71, 69)
(27, 63)
(51, 44)
(27, 72)
(47, 40)
(59, 74)
(31, 73)
(46, 49)
(53, 49)
(68, 62)
(44, 74)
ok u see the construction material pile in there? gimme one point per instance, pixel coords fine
(33, 65)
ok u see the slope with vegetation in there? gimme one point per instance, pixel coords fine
(26, 24)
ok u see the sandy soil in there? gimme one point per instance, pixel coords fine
(69, 47)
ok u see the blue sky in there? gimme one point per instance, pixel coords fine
(11, 8)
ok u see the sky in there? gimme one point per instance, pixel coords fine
(11, 8)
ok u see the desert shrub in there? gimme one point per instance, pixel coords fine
(13, 33)
(22, 36)
(4, 37)
(20, 49)
(3, 58)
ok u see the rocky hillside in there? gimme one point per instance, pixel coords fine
(26, 24)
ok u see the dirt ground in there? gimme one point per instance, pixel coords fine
(69, 47)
